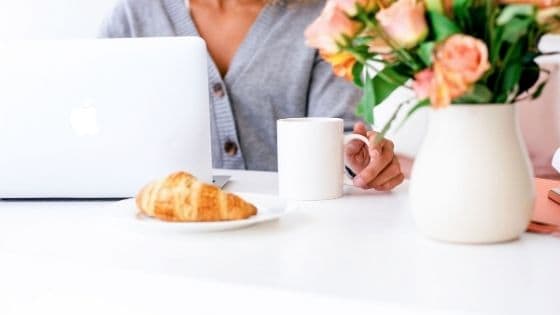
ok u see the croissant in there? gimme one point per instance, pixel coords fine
(181, 197)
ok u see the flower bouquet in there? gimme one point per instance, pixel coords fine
(471, 181)
(447, 51)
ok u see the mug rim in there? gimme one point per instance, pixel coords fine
(310, 120)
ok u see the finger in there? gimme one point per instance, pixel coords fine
(388, 145)
(354, 147)
(357, 161)
(377, 163)
(375, 149)
(381, 149)
(360, 159)
(381, 146)
(360, 128)
(391, 171)
(390, 185)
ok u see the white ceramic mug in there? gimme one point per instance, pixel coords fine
(311, 158)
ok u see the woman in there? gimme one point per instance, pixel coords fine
(260, 70)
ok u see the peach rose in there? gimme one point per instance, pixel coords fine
(463, 55)
(446, 86)
(342, 64)
(350, 7)
(422, 83)
(404, 22)
(458, 63)
(439, 86)
(327, 33)
(537, 3)
(378, 45)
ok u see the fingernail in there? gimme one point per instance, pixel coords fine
(375, 154)
(359, 181)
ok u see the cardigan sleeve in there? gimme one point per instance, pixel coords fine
(117, 24)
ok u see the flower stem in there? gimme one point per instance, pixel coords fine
(356, 55)
(381, 135)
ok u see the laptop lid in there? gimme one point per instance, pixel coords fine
(101, 118)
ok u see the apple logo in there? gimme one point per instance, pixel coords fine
(84, 120)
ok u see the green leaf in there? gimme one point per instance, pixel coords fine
(378, 88)
(385, 83)
(357, 73)
(511, 76)
(365, 107)
(479, 94)
(442, 26)
(362, 41)
(460, 6)
(461, 13)
(515, 10)
(508, 67)
(434, 6)
(496, 44)
(515, 29)
(360, 109)
(425, 52)
(508, 86)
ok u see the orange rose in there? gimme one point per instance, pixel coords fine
(342, 64)
(330, 30)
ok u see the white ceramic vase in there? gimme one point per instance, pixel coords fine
(472, 181)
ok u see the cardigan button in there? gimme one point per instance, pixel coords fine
(218, 90)
(231, 148)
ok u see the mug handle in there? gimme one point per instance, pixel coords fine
(347, 139)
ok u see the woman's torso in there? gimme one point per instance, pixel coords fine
(268, 77)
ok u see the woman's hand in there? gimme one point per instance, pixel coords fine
(376, 168)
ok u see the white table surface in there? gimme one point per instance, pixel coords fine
(357, 254)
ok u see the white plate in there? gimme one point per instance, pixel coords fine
(269, 208)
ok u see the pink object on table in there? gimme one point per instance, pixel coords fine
(546, 210)
(546, 216)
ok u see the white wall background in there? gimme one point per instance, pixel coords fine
(52, 19)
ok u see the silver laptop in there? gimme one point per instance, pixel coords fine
(101, 118)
